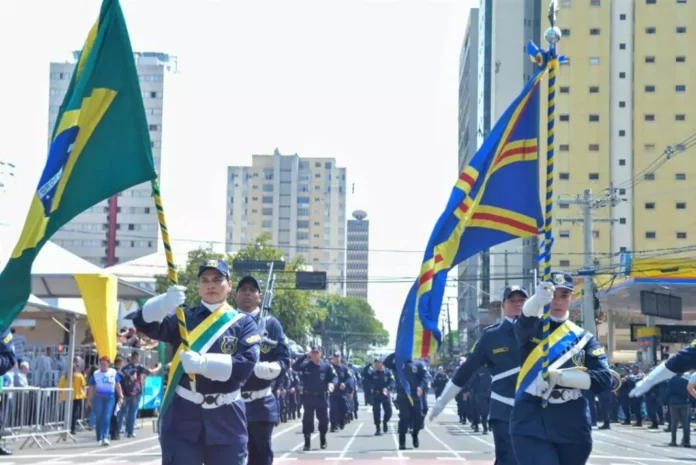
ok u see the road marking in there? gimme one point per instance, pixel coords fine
(97, 454)
(294, 449)
(115, 457)
(396, 444)
(396, 458)
(280, 433)
(350, 441)
(338, 458)
(473, 436)
(642, 459)
(442, 443)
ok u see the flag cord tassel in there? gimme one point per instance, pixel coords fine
(171, 271)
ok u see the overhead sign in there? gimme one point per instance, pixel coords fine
(660, 305)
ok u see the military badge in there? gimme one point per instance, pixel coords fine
(213, 263)
(559, 279)
(229, 345)
(322, 376)
(414, 368)
(579, 359)
(265, 348)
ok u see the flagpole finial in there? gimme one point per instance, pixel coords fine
(553, 34)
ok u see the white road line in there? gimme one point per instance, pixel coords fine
(97, 454)
(443, 444)
(294, 449)
(396, 458)
(474, 436)
(120, 457)
(350, 441)
(642, 459)
(280, 433)
(399, 455)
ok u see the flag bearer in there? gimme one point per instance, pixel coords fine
(209, 425)
(561, 432)
(410, 415)
(497, 349)
(382, 384)
(262, 408)
(318, 379)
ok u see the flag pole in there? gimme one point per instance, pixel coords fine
(171, 271)
(552, 36)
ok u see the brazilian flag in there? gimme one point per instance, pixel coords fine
(100, 147)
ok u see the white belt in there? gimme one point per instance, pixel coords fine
(505, 400)
(250, 396)
(208, 401)
(505, 374)
(561, 396)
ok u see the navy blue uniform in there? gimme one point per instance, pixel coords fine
(439, 383)
(367, 382)
(190, 433)
(380, 380)
(8, 359)
(316, 379)
(338, 398)
(684, 360)
(293, 394)
(262, 407)
(410, 416)
(560, 434)
(480, 386)
(498, 350)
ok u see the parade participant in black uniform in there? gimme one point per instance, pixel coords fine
(207, 425)
(410, 415)
(358, 382)
(338, 402)
(293, 394)
(561, 433)
(498, 350)
(382, 383)
(367, 371)
(262, 407)
(440, 381)
(318, 379)
(426, 387)
(480, 385)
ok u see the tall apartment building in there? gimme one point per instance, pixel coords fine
(467, 287)
(624, 101)
(301, 202)
(358, 255)
(124, 227)
(505, 27)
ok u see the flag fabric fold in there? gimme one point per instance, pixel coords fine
(495, 199)
(100, 147)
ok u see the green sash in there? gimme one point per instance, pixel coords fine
(200, 339)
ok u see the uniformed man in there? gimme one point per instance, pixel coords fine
(293, 395)
(561, 433)
(358, 382)
(426, 387)
(206, 425)
(262, 408)
(480, 394)
(410, 415)
(318, 380)
(440, 381)
(367, 371)
(338, 402)
(382, 383)
(498, 350)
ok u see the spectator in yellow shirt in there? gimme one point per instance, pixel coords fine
(79, 394)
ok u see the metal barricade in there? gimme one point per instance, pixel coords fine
(33, 414)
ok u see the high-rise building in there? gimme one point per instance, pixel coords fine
(300, 202)
(357, 255)
(505, 28)
(623, 107)
(124, 227)
(467, 287)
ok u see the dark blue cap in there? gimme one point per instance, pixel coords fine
(315, 349)
(249, 280)
(562, 280)
(512, 289)
(220, 265)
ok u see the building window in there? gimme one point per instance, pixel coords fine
(594, 118)
(681, 59)
(681, 235)
(650, 234)
(622, 46)
(622, 133)
(681, 1)
(622, 17)
(595, 234)
(649, 176)
(680, 176)
(649, 117)
(564, 117)
(622, 104)
(649, 88)
(564, 176)
(564, 148)
(680, 88)
(594, 31)
(594, 2)
(622, 162)
(680, 117)
(593, 147)
(622, 220)
(650, 30)
(594, 176)
(565, 233)
(681, 205)
(564, 263)
(650, 59)
(681, 29)
(565, 32)
(622, 75)
(649, 147)
(594, 89)
(563, 206)
(622, 191)
(594, 60)
(564, 89)
(650, 2)
(650, 205)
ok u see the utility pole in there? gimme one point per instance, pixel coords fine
(450, 343)
(588, 204)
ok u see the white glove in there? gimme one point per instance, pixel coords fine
(216, 367)
(543, 296)
(267, 370)
(573, 378)
(656, 376)
(158, 307)
(331, 388)
(450, 392)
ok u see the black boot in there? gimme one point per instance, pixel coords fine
(485, 427)
(322, 440)
(416, 443)
(378, 432)
(385, 427)
(307, 442)
(402, 442)
(356, 414)
(5, 451)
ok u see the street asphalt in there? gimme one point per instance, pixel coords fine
(442, 440)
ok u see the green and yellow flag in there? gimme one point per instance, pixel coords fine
(100, 147)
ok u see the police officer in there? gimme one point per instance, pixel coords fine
(206, 425)
(367, 371)
(338, 402)
(561, 433)
(480, 385)
(382, 383)
(318, 377)
(262, 407)
(426, 387)
(410, 415)
(440, 381)
(498, 350)
(637, 401)
(358, 382)
(293, 394)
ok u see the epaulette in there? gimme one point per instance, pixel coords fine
(493, 326)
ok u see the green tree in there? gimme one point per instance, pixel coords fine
(294, 309)
(350, 325)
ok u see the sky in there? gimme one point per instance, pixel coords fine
(373, 84)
